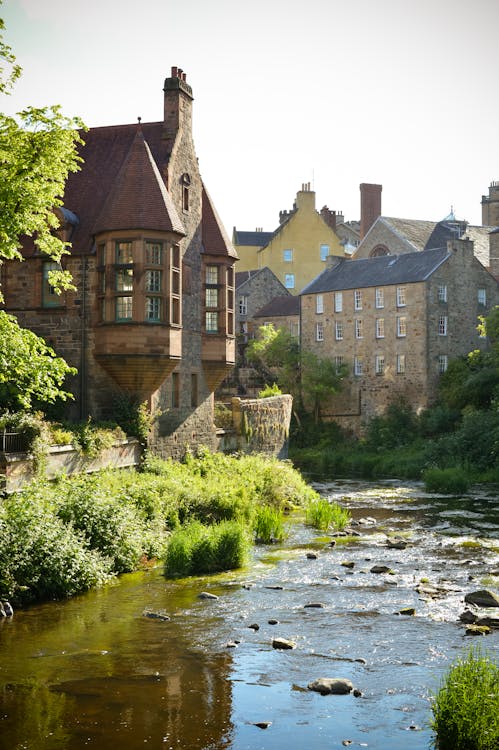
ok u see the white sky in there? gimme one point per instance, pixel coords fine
(404, 93)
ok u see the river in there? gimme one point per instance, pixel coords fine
(95, 672)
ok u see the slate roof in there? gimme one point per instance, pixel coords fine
(407, 268)
(214, 237)
(258, 239)
(279, 306)
(243, 276)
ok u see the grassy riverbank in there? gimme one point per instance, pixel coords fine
(62, 538)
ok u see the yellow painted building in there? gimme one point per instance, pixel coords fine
(296, 252)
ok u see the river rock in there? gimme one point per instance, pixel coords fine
(347, 564)
(396, 543)
(314, 605)
(156, 615)
(331, 686)
(207, 595)
(283, 644)
(483, 598)
(468, 616)
(407, 611)
(312, 555)
(477, 630)
(254, 626)
(273, 621)
(7, 609)
(262, 724)
(380, 569)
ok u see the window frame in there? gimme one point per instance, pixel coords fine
(338, 302)
(324, 252)
(401, 326)
(482, 292)
(287, 255)
(379, 364)
(339, 330)
(401, 296)
(289, 280)
(319, 331)
(380, 328)
(357, 366)
(442, 325)
(379, 296)
(319, 303)
(358, 328)
(357, 300)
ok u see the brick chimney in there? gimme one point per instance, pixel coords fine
(370, 206)
(329, 217)
(178, 106)
(490, 206)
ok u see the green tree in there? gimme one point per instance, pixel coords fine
(38, 150)
(320, 379)
(29, 369)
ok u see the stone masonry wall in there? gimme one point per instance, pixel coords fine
(262, 425)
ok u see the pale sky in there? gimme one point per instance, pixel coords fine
(404, 93)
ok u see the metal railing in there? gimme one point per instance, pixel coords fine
(12, 442)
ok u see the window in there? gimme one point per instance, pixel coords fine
(319, 303)
(401, 296)
(175, 283)
(287, 256)
(357, 299)
(294, 329)
(357, 366)
(380, 298)
(289, 280)
(175, 390)
(243, 305)
(211, 322)
(124, 308)
(154, 280)
(379, 364)
(186, 183)
(338, 301)
(400, 364)
(211, 297)
(482, 296)
(358, 328)
(211, 275)
(154, 254)
(324, 252)
(49, 296)
(442, 293)
(401, 326)
(153, 309)
(442, 363)
(124, 279)
(339, 363)
(194, 389)
(319, 331)
(442, 325)
(338, 330)
(380, 328)
(124, 254)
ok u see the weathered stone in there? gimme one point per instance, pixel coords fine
(483, 598)
(262, 724)
(283, 644)
(314, 605)
(155, 615)
(207, 595)
(477, 630)
(396, 543)
(347, 564)
(273, 622)
(380, 569)
(468, 616)
(331, 686)
(254, 626)
(312, 555)
(407, 611)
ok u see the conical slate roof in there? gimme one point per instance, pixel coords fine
(138, 198)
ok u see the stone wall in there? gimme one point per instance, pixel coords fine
(262, 425)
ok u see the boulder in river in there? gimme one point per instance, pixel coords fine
(396, 542)
(156, 615)
(380, 569)
(207, 595)
(331, 686)
(314, 605)
(477, 630)
(283, 644)
(483, 598)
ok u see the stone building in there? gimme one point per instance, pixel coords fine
(395, 322)
(152, 316)
(254, 290)
(281, 312)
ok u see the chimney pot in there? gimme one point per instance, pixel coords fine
(174, 71)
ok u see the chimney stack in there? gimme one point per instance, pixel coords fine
(178, 105)
(329, 217)
(370, 206)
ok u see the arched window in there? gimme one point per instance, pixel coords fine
(379, 250)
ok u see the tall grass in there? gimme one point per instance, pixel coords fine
(322, 514)
(466, 707)
(268, 524)
(197, 549)
(451, 481)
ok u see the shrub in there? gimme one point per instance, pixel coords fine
(268, 524)
(451, 481)
(269, 391)
(196, 549)
(466, 707)
(323, 514)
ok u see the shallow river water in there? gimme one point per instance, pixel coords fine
(95, 672)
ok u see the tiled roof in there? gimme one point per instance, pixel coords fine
(138, 198)
(280, 306)
(243, 276)
(259, 239)
(381, 271)
(215, 240)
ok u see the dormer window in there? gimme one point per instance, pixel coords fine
(185, 181)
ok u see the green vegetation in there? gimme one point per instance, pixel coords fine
(323, 514)
(447, 481)
(270, 390)
(466, 707)
(62, 538)
(268, 524)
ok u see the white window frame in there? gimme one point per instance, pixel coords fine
(379, 364)
(338, 302)
(289, 280)
(442, 325)
(380, 298)
(401, 326)
(358, 328)
(401, 296)
(243, 305)
(287, 255)
(319, 303)
(380, 328)
(442, 292)
(357, 366)
(443, 363)
(339, 361)
(400, 364)
(357, 299)
(319, 331)
(338, 330)
(482, 296)
(324, 252)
